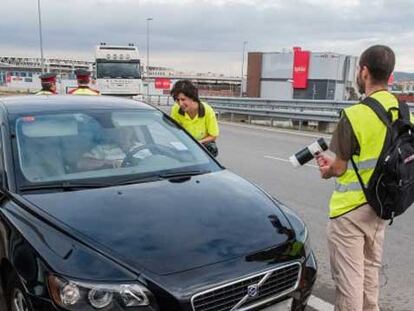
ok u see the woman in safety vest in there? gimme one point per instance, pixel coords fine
(197, 117)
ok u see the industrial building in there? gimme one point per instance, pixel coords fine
(300, 74)
(22, 74)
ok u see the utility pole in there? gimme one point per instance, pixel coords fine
(42, 60)
(148, 42)
(242, 68)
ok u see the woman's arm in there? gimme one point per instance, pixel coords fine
(212, 127)
(207, 139)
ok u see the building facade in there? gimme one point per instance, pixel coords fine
(22, 73)
(301, 75)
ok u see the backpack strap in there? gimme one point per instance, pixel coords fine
(378, 109)
(386, 118)
(364, 189)
(404, 111)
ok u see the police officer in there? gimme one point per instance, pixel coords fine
(355, 232)
(83, 77)
(48, 81)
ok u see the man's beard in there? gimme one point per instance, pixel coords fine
(361, 85)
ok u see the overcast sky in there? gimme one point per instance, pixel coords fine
(208, 35)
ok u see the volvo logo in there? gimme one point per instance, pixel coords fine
(253, 290)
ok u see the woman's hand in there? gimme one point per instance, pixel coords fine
(207, 139)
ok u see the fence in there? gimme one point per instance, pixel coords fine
(295, 110)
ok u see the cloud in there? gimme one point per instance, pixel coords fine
(208, 35)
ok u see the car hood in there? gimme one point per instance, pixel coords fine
(167, 227)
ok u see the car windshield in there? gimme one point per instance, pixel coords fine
(109, 145)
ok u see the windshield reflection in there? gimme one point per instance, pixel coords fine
(100, 144)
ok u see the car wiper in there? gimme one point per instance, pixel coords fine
(65, 186)
(137, 180)
(178, 174)
(151, 178)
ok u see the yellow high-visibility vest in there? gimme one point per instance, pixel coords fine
(204, 124)
(45, 92)
(370, 133)
(84, 91)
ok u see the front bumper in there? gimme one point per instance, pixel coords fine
(298, 298)
(294, 300)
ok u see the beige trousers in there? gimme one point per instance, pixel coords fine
(355, 242)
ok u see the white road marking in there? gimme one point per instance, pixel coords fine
(298, 133)
(319, 304)
(286, 160)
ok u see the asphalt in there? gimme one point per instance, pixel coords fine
(260, 155)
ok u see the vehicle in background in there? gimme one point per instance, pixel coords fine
(118, 70)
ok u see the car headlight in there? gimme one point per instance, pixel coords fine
(303, 237)
(76, 295)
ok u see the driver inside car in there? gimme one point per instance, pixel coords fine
(112, 151)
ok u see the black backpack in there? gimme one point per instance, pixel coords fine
(390, 190)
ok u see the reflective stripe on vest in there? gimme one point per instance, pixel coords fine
(354, 186)
(370, 133)
(363, 165)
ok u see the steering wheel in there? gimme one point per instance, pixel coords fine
(130, 160)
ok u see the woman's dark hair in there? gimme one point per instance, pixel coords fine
(380, 61)
(187, 88)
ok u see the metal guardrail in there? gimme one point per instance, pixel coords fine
(155, 99)
(303, 110)
(298, 110)
(319, 104)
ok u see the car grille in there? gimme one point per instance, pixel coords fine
(272, 285)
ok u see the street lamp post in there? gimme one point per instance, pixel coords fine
(148, 20)
(42, 60)
(242, 67)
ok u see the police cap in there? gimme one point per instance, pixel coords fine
(82, 74)
(48, 77)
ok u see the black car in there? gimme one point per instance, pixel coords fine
(108, 204)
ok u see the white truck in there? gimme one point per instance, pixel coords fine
(118, 70)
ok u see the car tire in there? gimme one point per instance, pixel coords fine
(17, 299)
